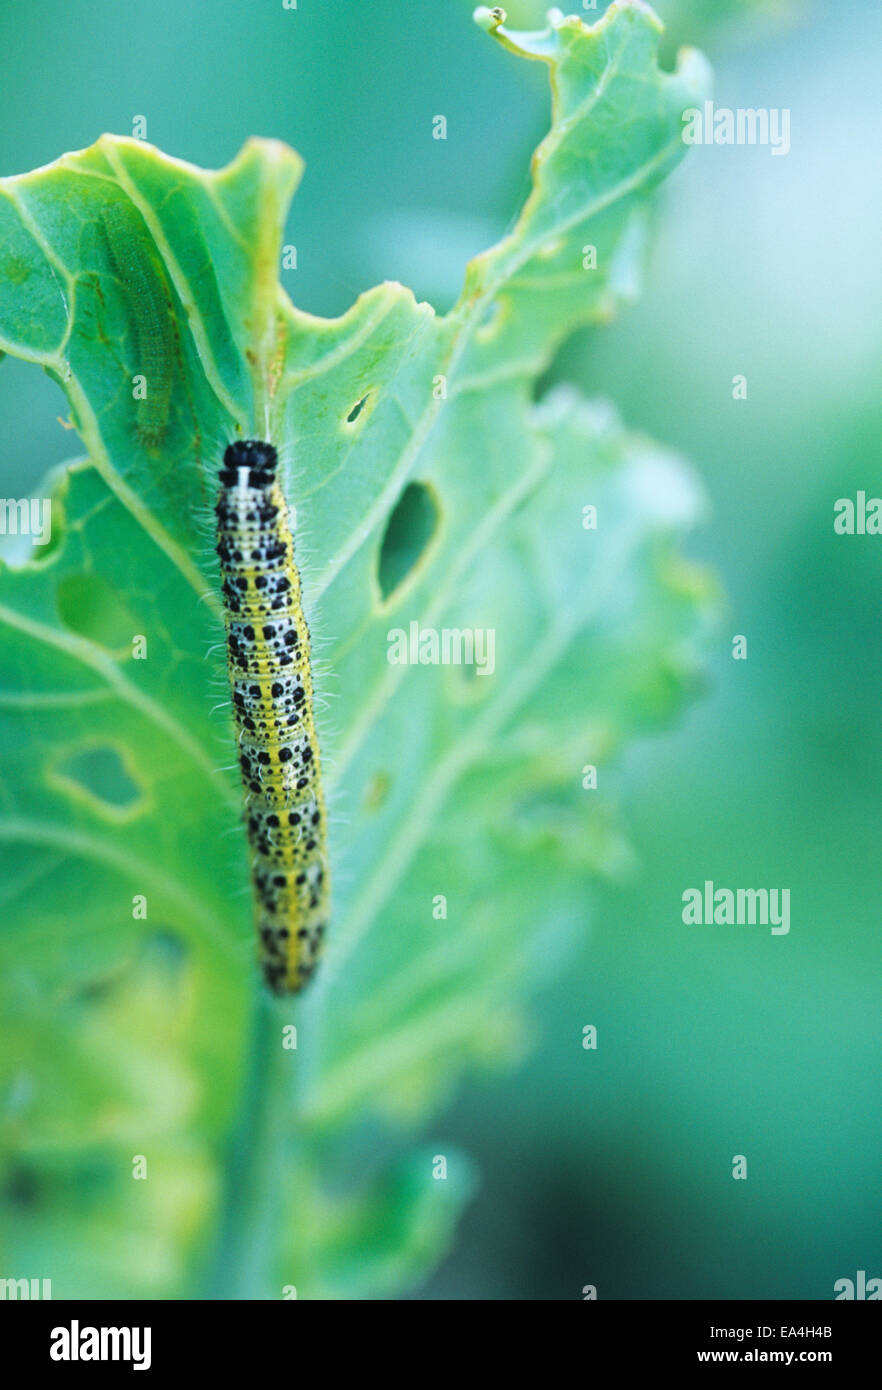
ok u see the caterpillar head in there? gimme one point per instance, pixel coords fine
(260, 458)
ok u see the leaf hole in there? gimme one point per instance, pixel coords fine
(157, 959)
(164, 954)
(409, 532)
(357, 409)
(101, 777)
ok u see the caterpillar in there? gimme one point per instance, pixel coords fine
(140, 271)
(268, 655)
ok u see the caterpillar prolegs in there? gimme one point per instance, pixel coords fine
(268, 654)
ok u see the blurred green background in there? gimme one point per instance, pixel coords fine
(613, 1167)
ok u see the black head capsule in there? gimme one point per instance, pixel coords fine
(260, 458)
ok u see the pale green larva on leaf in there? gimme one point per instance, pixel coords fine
(141, 275)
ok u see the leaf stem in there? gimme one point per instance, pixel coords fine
(246, 1237)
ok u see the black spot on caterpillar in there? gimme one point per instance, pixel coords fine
(268, 655)
(140, 270)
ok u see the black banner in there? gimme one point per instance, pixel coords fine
(89, 1338)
